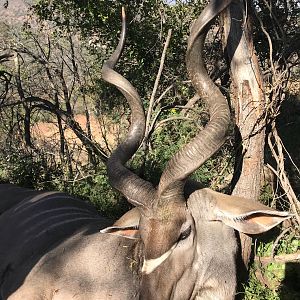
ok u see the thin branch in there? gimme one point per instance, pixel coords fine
(277, 152)
(269, 42)
(282, 258)
(278, 239)
(173, 119)
(163, 94)
(190, 103)
(152, 98)
(6, 56)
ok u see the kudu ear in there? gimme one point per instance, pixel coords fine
(127, 226)
(244, 215)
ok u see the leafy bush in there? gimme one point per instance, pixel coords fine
(280, 280)
(97, 190)
(26, 168)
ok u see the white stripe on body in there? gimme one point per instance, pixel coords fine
(31, 201)
(57, 212)
(56, 225)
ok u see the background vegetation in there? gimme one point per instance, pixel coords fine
(60, 121)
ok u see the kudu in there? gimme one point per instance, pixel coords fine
(176, 243)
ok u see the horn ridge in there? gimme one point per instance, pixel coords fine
(136, 190)
(210, 139)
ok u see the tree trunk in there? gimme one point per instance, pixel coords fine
(248, 101)
(27, 119)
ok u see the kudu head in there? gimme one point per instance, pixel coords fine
(179, 235)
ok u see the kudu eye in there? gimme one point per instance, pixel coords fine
(185, 234)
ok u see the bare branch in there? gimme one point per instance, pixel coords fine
(276, 148)
(152, 98)
(6, 56)
(282, 258)
(190, 104)
(173, 119)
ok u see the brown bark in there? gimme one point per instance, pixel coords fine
(249, 106)
(27, 119)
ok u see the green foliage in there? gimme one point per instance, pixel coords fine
(266, 194)
(281, 22)
(148, 22)
(36, 171)
(26, 168)
(216, 171)
(281, 279)
(255, 290)
(166, 140)
(97, 190)
(98, 22)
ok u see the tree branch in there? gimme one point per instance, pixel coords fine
(152, 98)
(282, 258)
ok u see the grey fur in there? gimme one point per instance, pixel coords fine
(54, 246)
(62, 254)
